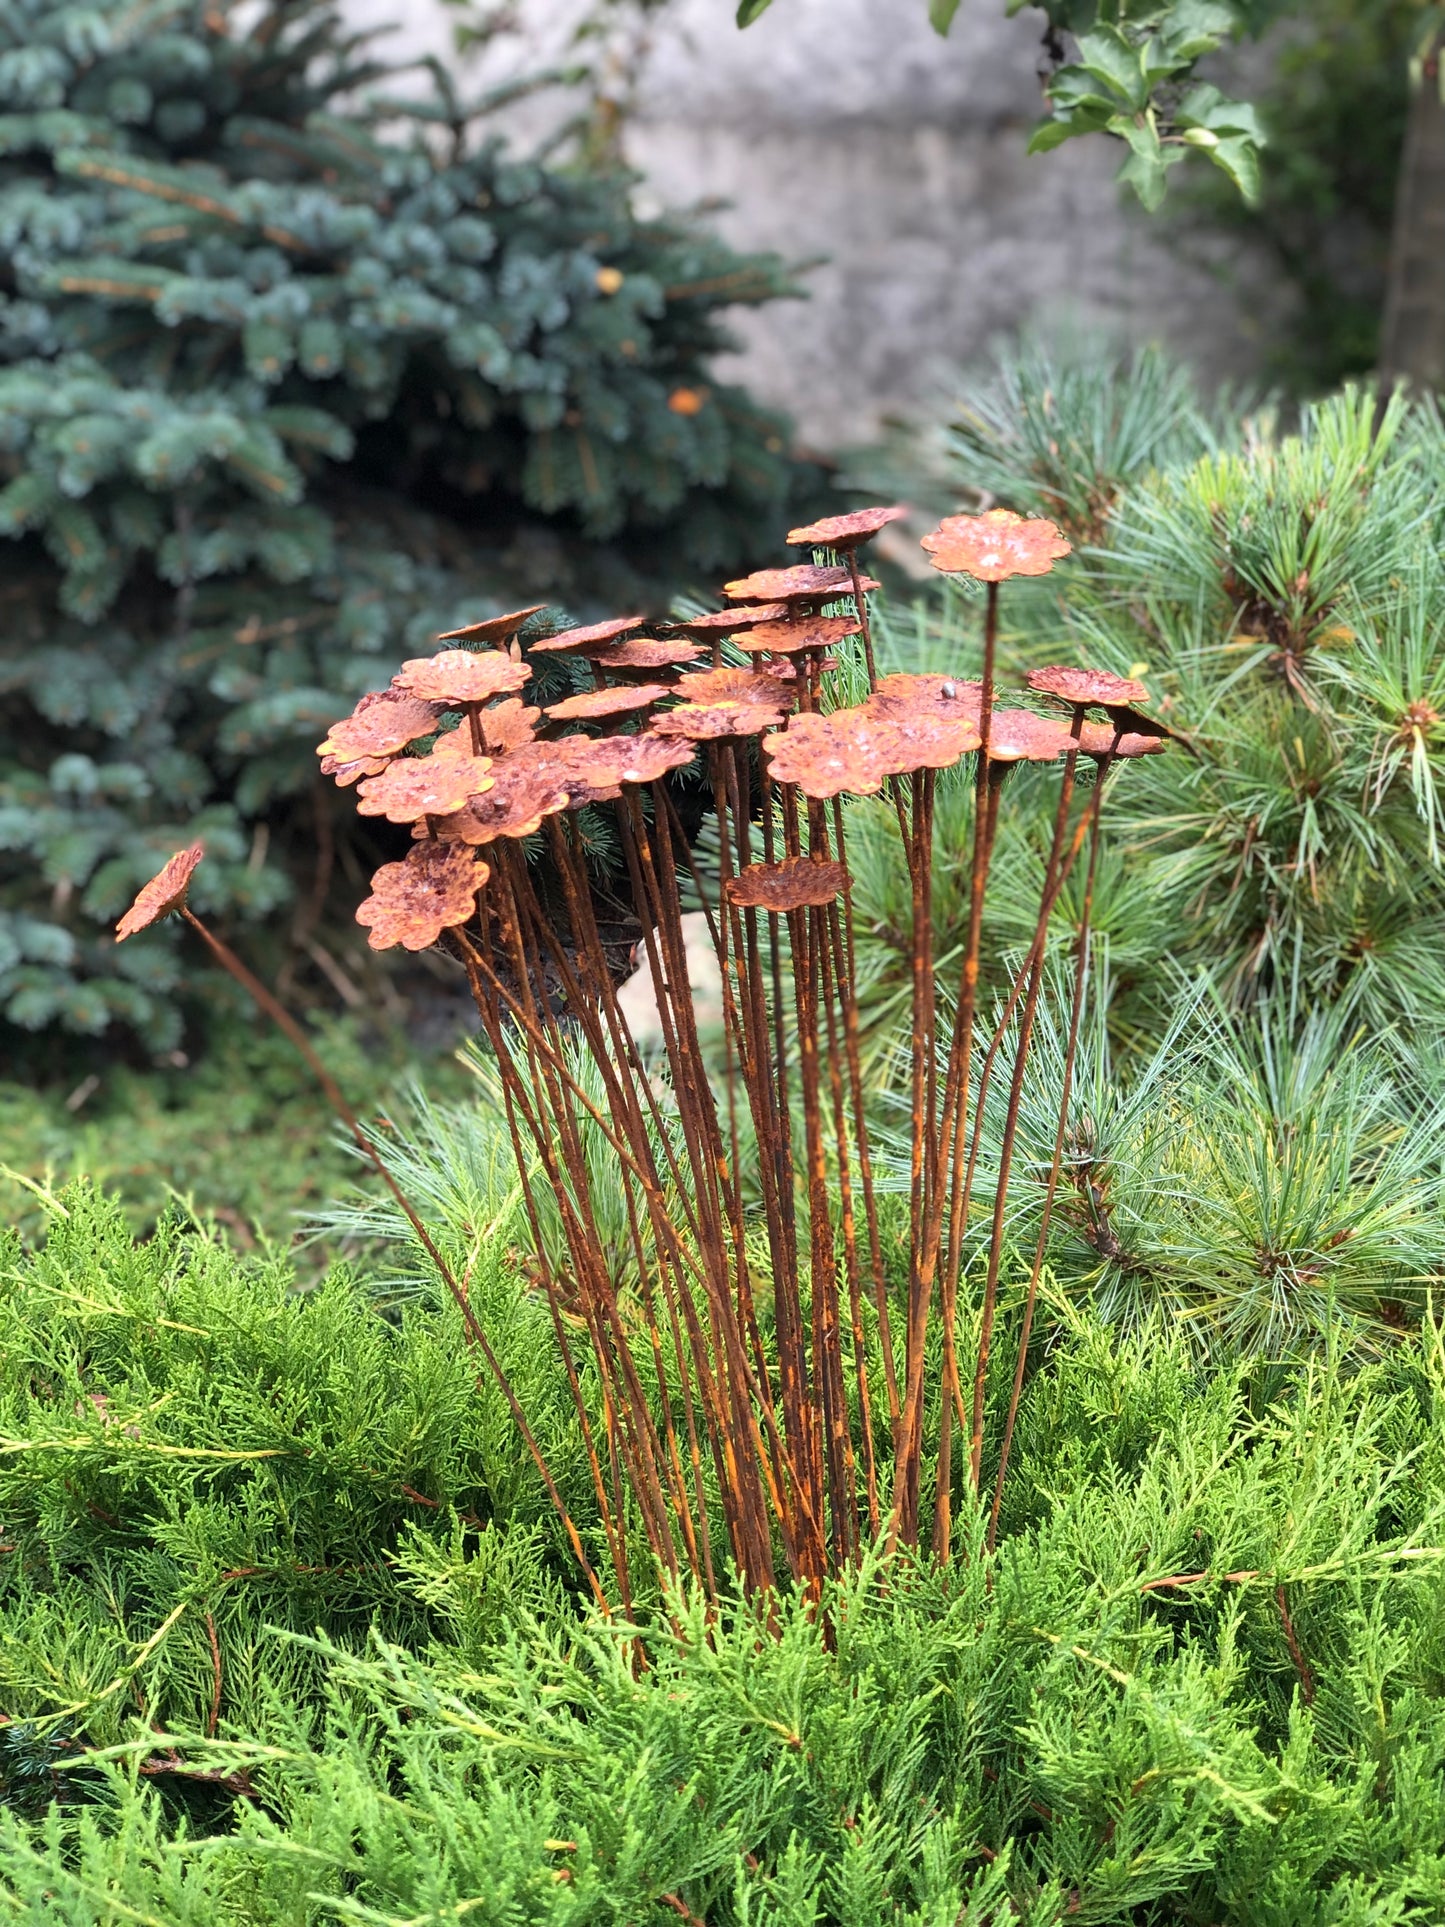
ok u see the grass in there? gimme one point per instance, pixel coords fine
(241, 1136)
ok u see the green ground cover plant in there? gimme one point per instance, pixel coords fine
(1199, 1680)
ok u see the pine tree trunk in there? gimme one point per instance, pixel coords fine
(1413, 341)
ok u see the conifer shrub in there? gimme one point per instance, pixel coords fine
(1200, 1678)
(287, 380)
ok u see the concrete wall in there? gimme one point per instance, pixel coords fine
(846, 128)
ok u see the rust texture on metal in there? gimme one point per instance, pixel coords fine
(588, 639)
(495, 628)
(461, 676)
(412, 902)
(845, 531)
(995, 546)
(165, 892)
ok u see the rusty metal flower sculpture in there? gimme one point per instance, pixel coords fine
(644, 656)
(382, 724)
(508, 726)
(719, 703)
(797, 883)
(809, 632)
(995, 546)
(844, 531)
(1088, 688)
(586, 641)
(728, 622)
(495, 628)
(804, 581)
(1021, 736)
(524, 793)
(435, 785)
(827, 756)
(165, 892)
(462, 676)
(595, 705)
(346, 772)
(412, 902)
(1104, 741)
(914, 695)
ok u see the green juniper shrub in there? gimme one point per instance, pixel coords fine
(1200, 1680)
(290, 382)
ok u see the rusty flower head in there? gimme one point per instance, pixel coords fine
(805, 581)
(947, 697)
(524, 792)
(1103, 741)
(844, 531)
(794, 884)
(415, 786)
(726, 702)
(1088, 688)
(793, 638)
(593, 705)
(1020, 736)
(165, 892)
(412, 902)
(382, 724)
(508, 725)
(495, 628)
(728, 622)
(642, 655)
(588, 641)
(828, 755)
(462, 676)
(352, 771)
(593, 769)
(995, 546)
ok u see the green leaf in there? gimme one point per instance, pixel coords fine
(940, 14)
(1239, 159)
(1204, 106)
(1196, 27)
(1145, 169)
(1111, 58)
(751, 10)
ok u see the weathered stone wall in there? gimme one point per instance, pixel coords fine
(846, 128)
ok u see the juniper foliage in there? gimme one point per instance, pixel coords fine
(1199, 1681)
(287, 381)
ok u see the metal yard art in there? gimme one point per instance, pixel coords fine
(778, 1389)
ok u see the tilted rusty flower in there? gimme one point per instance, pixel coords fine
(792, 638)
(1087, 688)
(495, 628)
(508, 725)
(462, 676)
(804, 581)
(594, 704)
(1101, 740)
(844, 531)
(521, 797)
(643, 654)
(412, 902)
(435, 785)
(727, 622)
(995, 546)
(1021, 736)
(715, 722)
(732, 683)
(592, 769)
(382, 724)
(718, 703)
(925, 741)
(796, 883)
(353, 771)
(828, 755)
(587, 640)
(165, 892)
(914, 695)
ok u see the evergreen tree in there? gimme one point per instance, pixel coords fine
(287, 384)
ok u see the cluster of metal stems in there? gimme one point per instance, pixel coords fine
(765, 1394)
